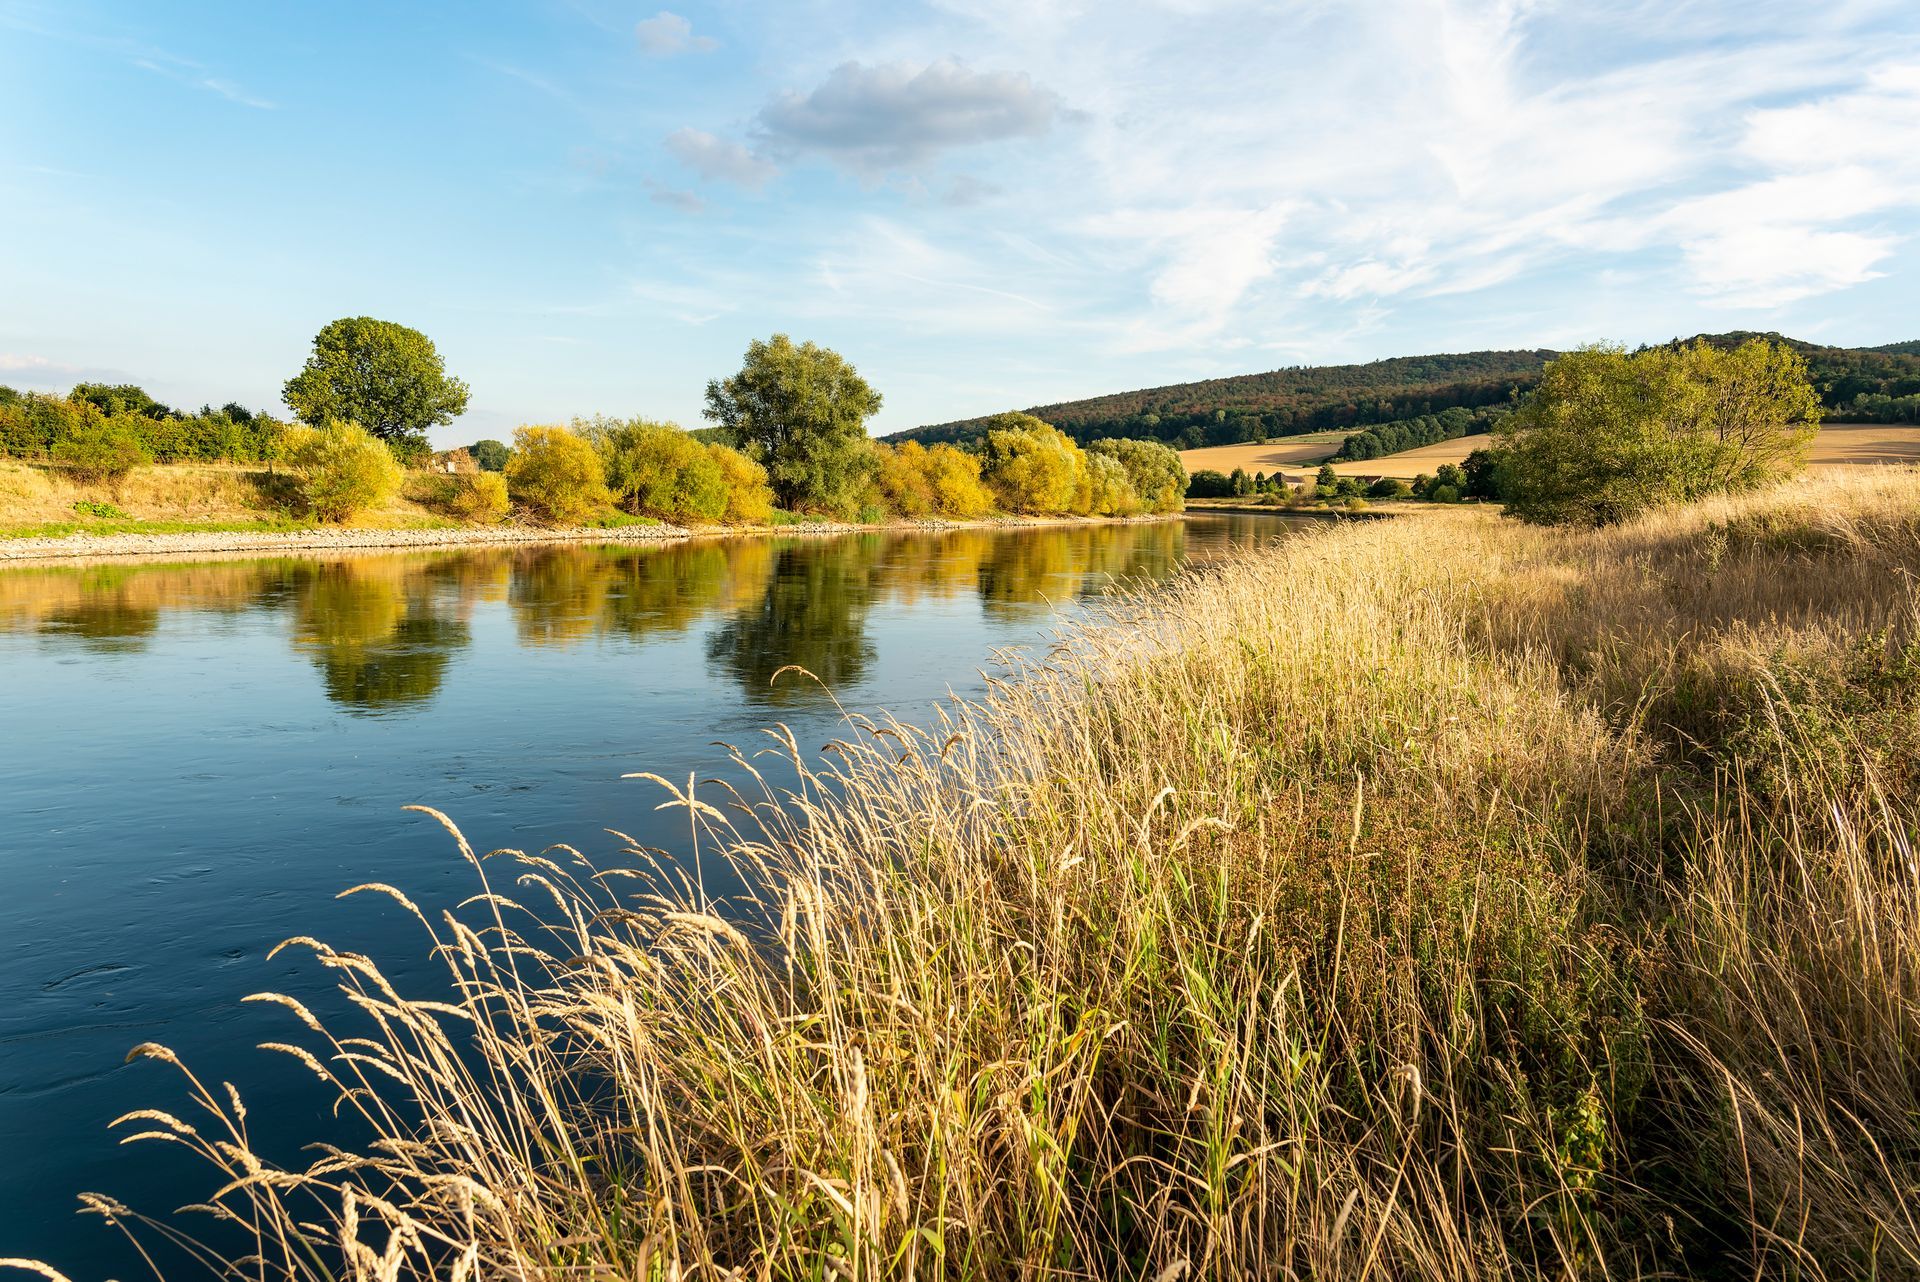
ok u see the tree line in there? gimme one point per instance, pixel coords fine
(788, 436)
(1850, 382)
(1383, 439)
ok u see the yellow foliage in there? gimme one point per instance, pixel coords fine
(556, 474)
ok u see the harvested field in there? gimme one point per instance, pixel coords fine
(1846, 444)
(1288, 454)
(1840, 445)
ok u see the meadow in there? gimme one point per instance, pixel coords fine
(1436, 898)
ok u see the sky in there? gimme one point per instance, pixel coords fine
(592, 206)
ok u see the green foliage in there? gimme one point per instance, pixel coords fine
(385, 377)
(1410, 434)
(116, 399)
(659, 470)
(1389, 487)
(490, 455)
(340, 470)
(557, 474)
(1105, 488)
(1481, 472)
(919, 481)
(100, 451)
(98, 510)
(1209, 484)
(1031, 466)
(1240, 482)
(801, 413)
(1284, 402)
(1609, 434)
(31, 422)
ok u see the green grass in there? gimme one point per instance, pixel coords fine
(63, 529)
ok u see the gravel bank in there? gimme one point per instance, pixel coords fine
(320, 540)
(90, 546)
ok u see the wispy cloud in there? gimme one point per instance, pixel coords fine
(720, 159)
(666, 34)
(185, 71)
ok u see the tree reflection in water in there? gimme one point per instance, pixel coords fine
(380, 630)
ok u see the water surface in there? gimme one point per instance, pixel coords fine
(194, 759)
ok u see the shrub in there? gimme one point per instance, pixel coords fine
(1030, 465)
(100, 451)
(1153, 469)
(339, 470)
(749, 497)
(1388, 487)
(556, 474)
(1608, 434)
(480, 497)
(99, 511)
(917, 480)
(659, 470)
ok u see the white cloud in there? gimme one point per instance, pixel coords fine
(899, 116)
(719, 159)
(666, 34)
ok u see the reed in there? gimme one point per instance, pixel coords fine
(1435, 898)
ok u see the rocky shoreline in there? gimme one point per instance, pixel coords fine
(346, 539)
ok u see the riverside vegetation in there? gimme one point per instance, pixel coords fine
(1443, 898)
(790, 443)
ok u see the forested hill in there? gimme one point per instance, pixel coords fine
(1283, 402)
(1874, 384)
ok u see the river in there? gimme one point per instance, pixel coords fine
(196, 757)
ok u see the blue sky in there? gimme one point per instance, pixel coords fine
(593, 206)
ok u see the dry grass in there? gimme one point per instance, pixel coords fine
(37, 494)
(1429, 899)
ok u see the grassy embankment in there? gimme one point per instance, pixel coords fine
(1439, 898)
(39, 501)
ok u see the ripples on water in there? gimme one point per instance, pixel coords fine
(194, 758)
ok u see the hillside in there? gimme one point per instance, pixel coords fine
(1858, 384)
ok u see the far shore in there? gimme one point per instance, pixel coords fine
(91, 547)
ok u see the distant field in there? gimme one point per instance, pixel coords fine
(1854, 443)
(1287, 454)
(1842, 445)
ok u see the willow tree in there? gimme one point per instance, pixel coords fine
(800, 412)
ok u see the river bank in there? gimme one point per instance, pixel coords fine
(83, 546)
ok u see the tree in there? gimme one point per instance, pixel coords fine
(387, 378)
(118, 398)
(1482, 470)
(1608, 434)
(1030, 465)
(801, 413)
(490, 455)
(1155, 470)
